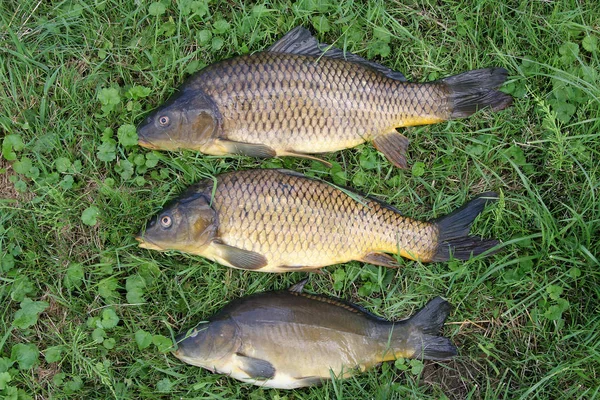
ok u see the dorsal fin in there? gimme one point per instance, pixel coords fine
(300, 41)
(296, 290)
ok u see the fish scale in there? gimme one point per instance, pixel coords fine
(335, 225)
(332, 101)
(277, 220)
(302, 97)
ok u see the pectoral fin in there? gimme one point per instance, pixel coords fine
(238, 258)
(393, 145)
(246, 149)
(385, 260)
(255, 367)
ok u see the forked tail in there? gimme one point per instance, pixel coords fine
(453, 237)
(425, 327)
(474, 90)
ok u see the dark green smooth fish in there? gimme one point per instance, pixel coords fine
(290, 339)
(303, 97)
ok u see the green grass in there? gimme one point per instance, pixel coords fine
(76, 292)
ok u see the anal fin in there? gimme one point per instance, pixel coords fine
(255, 368)
(393, 145)
(239, 258)
(383, 259)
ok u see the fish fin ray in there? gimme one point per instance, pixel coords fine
(382, 259)
(247, 149)
(239, 258)
(255, 367)
(435, 348)
(341, 303)
(297, 288)
(306, 156)
(428, 322)
(474, 90)
(300, 41)
(393, 145)
(454, 240)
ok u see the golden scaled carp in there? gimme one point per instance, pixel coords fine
(277, 221)
(303, 97)
(289, 339)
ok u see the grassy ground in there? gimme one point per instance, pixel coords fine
(84, 313)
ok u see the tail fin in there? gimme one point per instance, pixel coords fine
(474, 90)
(426, 325)
(454, 228)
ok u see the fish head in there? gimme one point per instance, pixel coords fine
(208, 344)
(189, 120)
(188, 225)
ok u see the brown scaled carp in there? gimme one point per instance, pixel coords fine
(302, 97)
(276, 221)
(289, 339)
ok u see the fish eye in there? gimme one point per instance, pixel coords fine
(166, 221)
(163, 120)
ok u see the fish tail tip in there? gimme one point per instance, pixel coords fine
(454, 240)
(435, 348)
(428, 322)
(474, 90)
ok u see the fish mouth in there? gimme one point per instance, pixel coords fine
(147, 144)
(147, 244)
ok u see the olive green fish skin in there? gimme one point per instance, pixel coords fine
(288, 339)
(328, 104)
(298, 98)
(277, 221)
(292, 104)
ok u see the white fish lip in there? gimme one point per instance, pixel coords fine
(147, 244)
(146, 143)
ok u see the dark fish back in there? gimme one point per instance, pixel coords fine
(284, 307)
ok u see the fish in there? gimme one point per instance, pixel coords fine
(301, 97)
(273, 220)
(290, 339)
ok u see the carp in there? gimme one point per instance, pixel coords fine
(277, 221)
(290, 339)
(302, 97)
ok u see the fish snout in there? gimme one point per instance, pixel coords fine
(145, 133)
(144, 142)
(147, 244)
